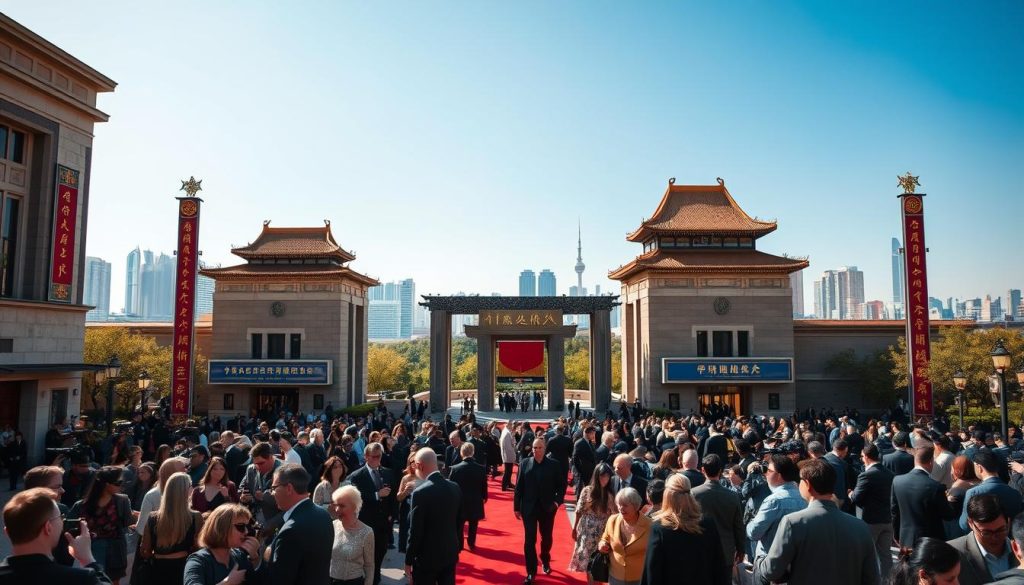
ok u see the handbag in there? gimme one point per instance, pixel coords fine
(598, 566)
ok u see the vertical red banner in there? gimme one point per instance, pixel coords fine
(916, 277)
(65, 219)
(184, 306)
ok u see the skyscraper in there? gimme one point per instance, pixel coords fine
(403, 295)
(580, 266)
(97, 288)
(839, 294)
(1012, 308)
(204, 293)
(897, 272)
(156, 287)
(852, 281)
(527, 284)
(407, 298)
(384, 320)
(132, 282)
(796, 282)
(546, 284)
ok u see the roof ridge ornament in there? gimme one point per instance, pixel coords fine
(908, 182)
(721, 181)
(327, 223)
(266, 223)
(671, 180)
(192, 186)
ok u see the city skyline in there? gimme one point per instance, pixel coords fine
(501, 140)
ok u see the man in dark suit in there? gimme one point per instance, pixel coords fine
(376, 485)
(35, 526)
(452, 455)
(560, 447)
(987, 542)
(433, 549)
(540, 489)
(479, 444)
(716, 443)
(899, 461)
(583, 460)
(918, 502)
(689, 461)
(605, 451)
(872, 497)
(624, 477)
(987, 466)
(471, 477)
(301, 550)
(724, 507)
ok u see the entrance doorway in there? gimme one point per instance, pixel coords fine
(720, 400)
(10, 401)
(271, 401)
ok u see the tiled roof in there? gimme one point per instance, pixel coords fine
(700, 210)
(287, 271)
(294, 242)
(709, 261)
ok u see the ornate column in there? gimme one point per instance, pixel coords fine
(485, 373)
(556, 372)
(600, 360)
(440, 360)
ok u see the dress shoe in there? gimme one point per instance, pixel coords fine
(547, 568)
(528, 580)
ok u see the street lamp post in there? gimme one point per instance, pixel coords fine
(113, 373)
(144, 381)
(1001, 360)
(960, 382)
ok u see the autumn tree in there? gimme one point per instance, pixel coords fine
(385, 368)
(137, 353)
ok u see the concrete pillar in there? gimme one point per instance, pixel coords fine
(440, 360)
(600, 360)
(485, 373)
(556, 372)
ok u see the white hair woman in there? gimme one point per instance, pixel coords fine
(352, 561)
(625, 537)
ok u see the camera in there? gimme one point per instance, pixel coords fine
(254, 529)
(73, 526)
(69, 452)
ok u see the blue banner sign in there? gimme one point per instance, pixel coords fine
(716, 370)
(271, 372)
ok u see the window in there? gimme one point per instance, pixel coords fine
(665, 242)
(742, 344)
(275, 346)
(730, 242)
(257, 346)
(229, 401)
(318, 402)
(10, 214)
(746, 242)
(17, 150)
(682, 242)
(296, 346)
(6, 345)
(4, 133)
(702, 344)
(721, 343)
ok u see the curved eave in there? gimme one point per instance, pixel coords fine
(233, 273)
(645, 231)
(638, 266)
(340, 255)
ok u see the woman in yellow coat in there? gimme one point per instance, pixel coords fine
(625, 537)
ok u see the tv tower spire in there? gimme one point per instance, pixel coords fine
(580, 266)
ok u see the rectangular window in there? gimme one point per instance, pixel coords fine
(746, 242)
(275, 346)
(18, 147)
(318, 402)
(6, 345)
(296, 346)
(9, 219)
(3, 141)
(229, 401)
(673, 401)
(730, 242)
(702, 344)
(682, 242)
(257, 346)
(667, 242)
(743, 344)
(773, 401)
(721, 344)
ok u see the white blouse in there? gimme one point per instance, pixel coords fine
(352, 555)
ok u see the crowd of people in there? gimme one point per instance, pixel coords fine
(703, 498)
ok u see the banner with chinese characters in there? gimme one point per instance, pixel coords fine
(65, 215)
(520, 319)
(520, 361)
(916, 278)
(271, 372)
(726, 370)
(184, 306)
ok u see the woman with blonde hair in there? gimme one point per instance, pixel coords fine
(406, 485)
(352, 560)
(170, 533)
(228, 548)
(680, 537)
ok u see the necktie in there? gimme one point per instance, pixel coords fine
(376, 478)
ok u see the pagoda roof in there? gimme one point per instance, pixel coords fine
(700, 210)
(708, 262)
(287, 272)
(295, 242)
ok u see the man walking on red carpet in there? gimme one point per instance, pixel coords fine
(540, 489)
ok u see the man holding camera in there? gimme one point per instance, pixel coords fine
(35, 526)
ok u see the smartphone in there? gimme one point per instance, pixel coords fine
(73, 526)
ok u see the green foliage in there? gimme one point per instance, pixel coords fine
(985, 415)
(873, 374)
(661, 412)
(359, 409)
(385, 368)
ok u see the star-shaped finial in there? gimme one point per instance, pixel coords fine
(908, 182)
(191, 186)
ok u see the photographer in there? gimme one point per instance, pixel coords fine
(35, 526)
(52, 478)
(77, 479)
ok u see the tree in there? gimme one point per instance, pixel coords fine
(384, 368)
(137, 353)
(465, 374)
(873, 374)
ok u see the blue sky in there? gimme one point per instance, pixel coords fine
(458, 142)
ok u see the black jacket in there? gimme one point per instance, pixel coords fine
(898, 462)
(301, 549)
(669, 550)
(471, 477)
(375, 513)
(583, 461)
(36, 569)
(540, 487)
(919, 506)
(560, 449)
(433, 524)
(873, 495)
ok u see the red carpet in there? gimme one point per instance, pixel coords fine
(499, 547)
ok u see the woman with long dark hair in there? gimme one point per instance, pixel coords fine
(145, 479)
(108, 514)
(214, 488)
(596, 505)
(334, 473)
(931, 562)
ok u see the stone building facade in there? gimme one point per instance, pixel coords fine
(701, 298)
(294, 306)
(48, 110)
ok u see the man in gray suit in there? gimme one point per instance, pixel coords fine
(985, 551)
(724, 507)
(820, 544)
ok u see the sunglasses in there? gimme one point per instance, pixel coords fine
(243, 528)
